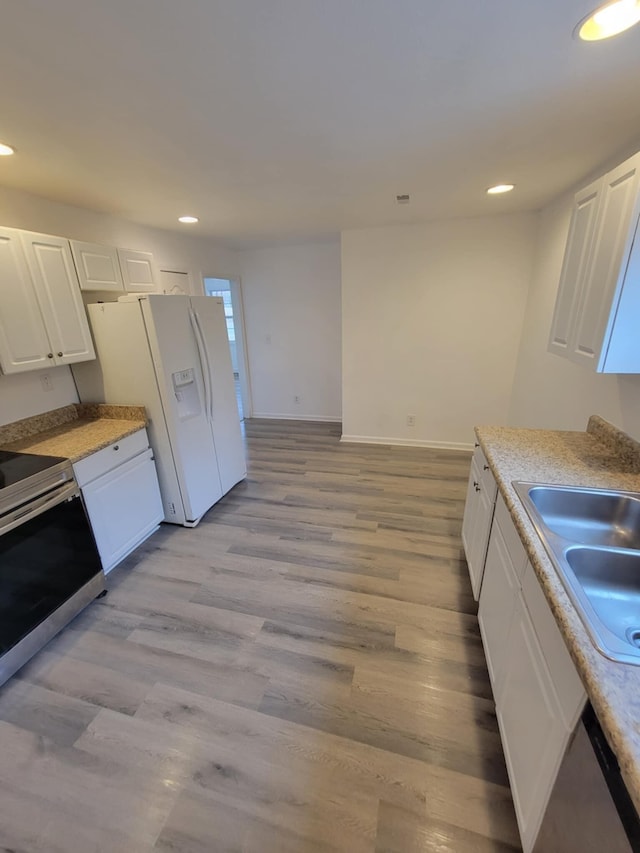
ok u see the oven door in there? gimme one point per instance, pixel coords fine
(48, 558)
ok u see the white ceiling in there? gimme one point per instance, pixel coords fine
(288, 119)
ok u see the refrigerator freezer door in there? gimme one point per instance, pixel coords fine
(224, 417)
(174, 350)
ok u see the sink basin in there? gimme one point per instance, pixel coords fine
(593, 539)
(610, 580)
(591, 517)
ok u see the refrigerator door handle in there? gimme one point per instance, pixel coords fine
(207, 358)
(204, 362)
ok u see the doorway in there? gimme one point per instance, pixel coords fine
(229, 290)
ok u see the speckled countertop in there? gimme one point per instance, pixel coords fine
(73, 431)
(601, 457)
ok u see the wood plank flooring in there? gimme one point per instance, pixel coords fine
(302, 672)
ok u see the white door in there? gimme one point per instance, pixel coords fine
(606, 268)
(470, 518)
(138, 271)
(175, 351)
(124, 507)
(500, 588)
(24, 344)
(174, 283)
(223, 416)
(531, 725)
(97, 266)
(478, 513)
(230, 290)
(575, 266)
(56, 282)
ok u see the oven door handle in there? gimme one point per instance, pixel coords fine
(35, 508)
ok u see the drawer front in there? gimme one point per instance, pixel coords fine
(485, 475)
(110, 457)
(561, 668)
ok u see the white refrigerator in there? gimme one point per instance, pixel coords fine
(171, 354)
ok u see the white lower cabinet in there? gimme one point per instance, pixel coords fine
(533, 732)
(478, 512)
(122, 498)
(538, 693)
(504, 567)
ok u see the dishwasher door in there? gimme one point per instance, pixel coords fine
(589, 809)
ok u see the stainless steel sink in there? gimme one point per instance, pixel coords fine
(611, 519)
(593, 539)
(611, 582)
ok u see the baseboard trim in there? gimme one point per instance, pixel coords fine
(406, 442)
(272, 417)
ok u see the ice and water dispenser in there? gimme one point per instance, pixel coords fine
(186, 393)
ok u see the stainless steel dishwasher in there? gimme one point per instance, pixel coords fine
(590, 810)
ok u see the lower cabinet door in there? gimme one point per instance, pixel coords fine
(500, 591)
(479, 539)
(533, 733)
(124, 507)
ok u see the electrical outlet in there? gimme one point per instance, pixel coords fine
(411, 420)
(46, 381)
(296, 398)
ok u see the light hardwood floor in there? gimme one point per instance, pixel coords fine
(303, 672)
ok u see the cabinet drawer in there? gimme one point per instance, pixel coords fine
(110, 457)
(562, 670)
(487, 480)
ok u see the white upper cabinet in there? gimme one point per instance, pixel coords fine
(97, 266)
(56, 284)
(579, 242)
(138, 271)
(598, 304)
(24, 344)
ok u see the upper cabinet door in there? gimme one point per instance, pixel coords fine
(598, 302)
(49, 259)
(607, 268)
(574, 267)
(138, 271)
(24, 344)
(97, 266)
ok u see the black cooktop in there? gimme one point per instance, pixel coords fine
(15, 467)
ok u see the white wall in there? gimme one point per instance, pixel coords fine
(549, 391)
(432, 316)
(292, 318)
(23, 395)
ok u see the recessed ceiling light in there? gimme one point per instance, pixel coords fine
(609, 20)
(5, 150)
(500, 188)
(188, 220)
